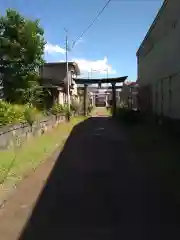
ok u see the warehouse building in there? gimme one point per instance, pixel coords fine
(159, 64)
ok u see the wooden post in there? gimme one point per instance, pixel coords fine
(85, 99)
(114, 99)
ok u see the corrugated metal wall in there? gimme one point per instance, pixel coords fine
(166, 97)
(160, 67)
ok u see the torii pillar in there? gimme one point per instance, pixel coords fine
(114, 99)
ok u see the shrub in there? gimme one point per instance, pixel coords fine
(67, 112)
(13, 113)
(57, 109)
(31, 115)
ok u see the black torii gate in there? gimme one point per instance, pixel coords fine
(98, 81)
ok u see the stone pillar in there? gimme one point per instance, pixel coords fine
(85, 99)
(114, 99)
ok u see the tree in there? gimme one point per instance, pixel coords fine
(33, 95)
(21, 53)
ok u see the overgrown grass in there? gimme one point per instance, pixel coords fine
(16, 163)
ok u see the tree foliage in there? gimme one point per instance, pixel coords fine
(21, 53)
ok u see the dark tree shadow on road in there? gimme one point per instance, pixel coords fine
(97, 190)
(76, 201)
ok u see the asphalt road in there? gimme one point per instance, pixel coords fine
(97, 189)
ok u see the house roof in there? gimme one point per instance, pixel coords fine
(153, 24)
(131, 84)
(72, 64)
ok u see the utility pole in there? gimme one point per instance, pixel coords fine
(67, 73)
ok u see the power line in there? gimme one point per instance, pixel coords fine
(95, 19)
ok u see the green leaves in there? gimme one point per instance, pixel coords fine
(14, 113)
(57, 109)
(11, 113)
(21, 53)
(31, 115)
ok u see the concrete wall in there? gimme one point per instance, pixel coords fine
(16, 135)
(158, 61)
(128, 96)
(61, 98)
(124, 95)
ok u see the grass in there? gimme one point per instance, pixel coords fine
(16, 163)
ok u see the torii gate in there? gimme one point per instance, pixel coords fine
(98, 81)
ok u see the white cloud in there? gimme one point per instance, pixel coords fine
(99, 66)
(52, 49)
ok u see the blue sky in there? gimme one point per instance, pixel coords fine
(110, 43)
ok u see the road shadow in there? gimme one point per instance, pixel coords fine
(99, 190)
(76, 202)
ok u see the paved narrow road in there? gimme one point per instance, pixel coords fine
(99, 190)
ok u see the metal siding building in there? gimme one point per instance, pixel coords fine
(159, 61)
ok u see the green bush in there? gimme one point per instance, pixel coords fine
(10, 113)
(57, 109)
(31, 115)
(67, 112)
(13, 113)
